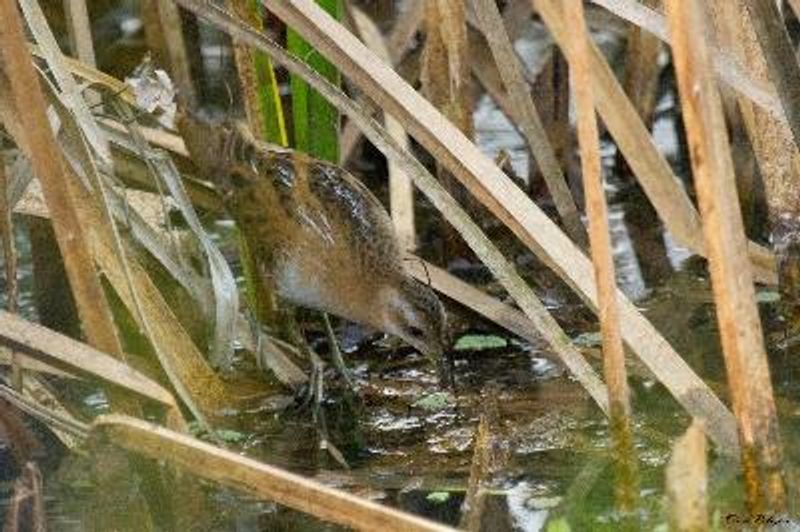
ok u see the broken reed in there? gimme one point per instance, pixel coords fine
(731, 278)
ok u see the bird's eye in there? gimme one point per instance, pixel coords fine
(416, 332)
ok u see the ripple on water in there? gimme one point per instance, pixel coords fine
(385, 421)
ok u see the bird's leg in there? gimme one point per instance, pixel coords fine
(316, 391)
(336, 354)
(294, 333)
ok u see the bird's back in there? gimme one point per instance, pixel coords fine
(316, 232)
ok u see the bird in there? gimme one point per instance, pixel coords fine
(319, 238)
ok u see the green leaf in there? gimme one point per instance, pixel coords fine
(270, 100)
(268, 94)
(476, 342)
(316, 122)
(438, 497)
(435, 401)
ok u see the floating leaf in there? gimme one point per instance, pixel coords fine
(476, 342)
(768, 296)
(230, 436)
(438, 497)
(588, 339)
(435, 401)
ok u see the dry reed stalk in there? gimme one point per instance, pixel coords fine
(80, 30)
(40, 146)
(732, 282)
(777, 155)
(774, 146)
(401, 189)
(486, 73)
(687, 483)
(51, 347)
(642, 69)
(10, 263)
(401, 39)
(245, 66)
(728, 70)
(256, 478)
(490, 185)
(643, 16)
(530, 123)
(641, 83)
(779, 52)
(446, 83)
(626, 487)
(164, 33)
(653, 172)
(399, 42)
(488, 457)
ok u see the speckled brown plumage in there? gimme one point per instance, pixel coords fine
(319, 237)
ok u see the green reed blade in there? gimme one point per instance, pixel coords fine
(316, 122)
(268, 94)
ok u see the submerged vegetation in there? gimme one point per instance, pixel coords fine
(197, 196)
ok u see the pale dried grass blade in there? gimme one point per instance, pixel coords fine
(80, 30)
(69, 89)
(529, 121)
(197, 385)
(781, 57)
(226, 294)
(35, 137)
(37, 400)
(54, 348)
(256, 478)
(401, 191)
